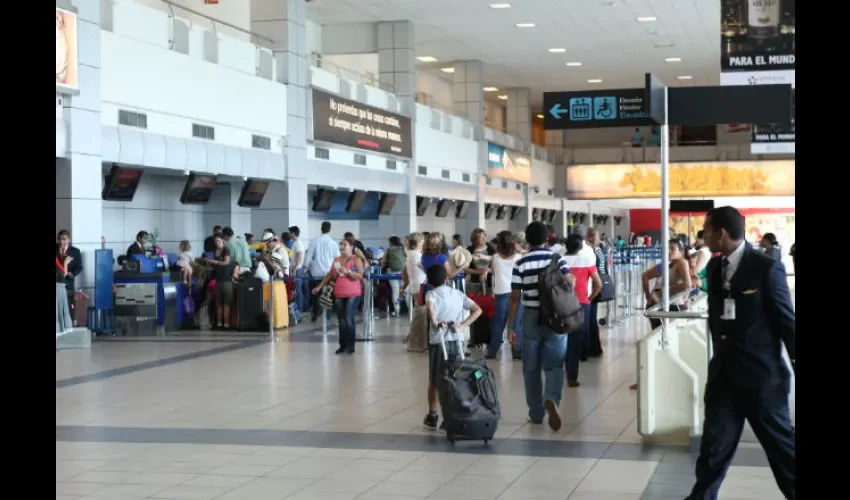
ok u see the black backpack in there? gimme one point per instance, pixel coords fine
(559, 305)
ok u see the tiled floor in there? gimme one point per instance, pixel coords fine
(236, 417)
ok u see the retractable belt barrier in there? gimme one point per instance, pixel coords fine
(627, 266)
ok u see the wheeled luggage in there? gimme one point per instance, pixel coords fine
(81, 307)
(250, 306)
(281, 304)
(468, 397)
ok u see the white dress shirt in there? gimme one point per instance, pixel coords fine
(320, 255)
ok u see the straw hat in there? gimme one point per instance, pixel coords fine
(460, 258)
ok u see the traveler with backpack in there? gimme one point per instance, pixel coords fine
(542, 281)
(394, 260)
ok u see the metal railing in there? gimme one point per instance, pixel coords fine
(316, 60)
(256, 37)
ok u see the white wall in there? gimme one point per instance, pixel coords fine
(439, 90)
(314, 38)
(237, 13)
(157, 206)
(494, 116)
(431, 223)
(361, 64)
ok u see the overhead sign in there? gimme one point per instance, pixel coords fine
(757, 35)
(692, 106)
(66, 52)
(349, 123)
(504, 163)
(776, 138)
(687, 180)
(595, 109)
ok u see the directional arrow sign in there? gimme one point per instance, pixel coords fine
(557, 111)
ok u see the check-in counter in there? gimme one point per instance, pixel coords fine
(149, 295)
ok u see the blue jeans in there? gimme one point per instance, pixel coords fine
(302, 289)
(346, 312)
(576, 343)
(542, 351)
(500, 321)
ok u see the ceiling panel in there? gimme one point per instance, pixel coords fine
(602, 34)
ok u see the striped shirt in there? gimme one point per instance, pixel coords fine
(526, 274)
(601, 261)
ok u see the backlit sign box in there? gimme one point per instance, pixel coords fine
(595, 109)
(337, 120)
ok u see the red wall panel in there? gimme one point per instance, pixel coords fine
(642, 220)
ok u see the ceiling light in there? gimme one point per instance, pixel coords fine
(647, 19)
(490, 89)
(557, 51)
(427, 59)
(500, 6)
(595, 80)
(573, 64)
(448, 69)
(525, 25)
(673, 59)
(539, 115)
(685, 78)
(503, 97)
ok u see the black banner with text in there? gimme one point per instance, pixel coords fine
(349, 123)
(757, 35)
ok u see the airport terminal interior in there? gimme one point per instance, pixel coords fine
(215, 157)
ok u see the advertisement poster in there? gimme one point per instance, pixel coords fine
(687, 180)
(348, 123)
(757, 35)
(504, 163)
(595, 109)
(66, 52)
(769, 138)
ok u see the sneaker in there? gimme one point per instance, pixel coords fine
(535, 422)
(554, 418)
(340, 350)
(573, 383)
(430, 421)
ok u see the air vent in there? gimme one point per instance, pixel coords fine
(359, 159)
(466, 177)
(391, 165)
(261, 142)
(445, 174)
(132, 119)
(550, 192)
(203, 131)
(423, 170)
(323, 154)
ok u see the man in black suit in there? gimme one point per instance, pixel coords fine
(750, 317)
(138, 246)
(69, 264)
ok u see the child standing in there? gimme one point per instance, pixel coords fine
(185, 261)
(445, 307)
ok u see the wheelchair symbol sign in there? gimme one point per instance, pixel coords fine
(605, 108)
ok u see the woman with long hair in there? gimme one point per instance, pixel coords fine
(502, 266)
(394, 260)
(594, 343)
(346, 273)
(771, 246)
(434, 253)
(584, 269)
(482, 253)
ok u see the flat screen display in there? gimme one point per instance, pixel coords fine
(386, 204)
(489, 210)
(691, 205)
(253, 193)
(516, 212)
(502, 212)
(422, 203)
(535, 214)
(355, 201)
(198, 189)
(462, 209)
(443, 207)
(322, 200)
(121, 183)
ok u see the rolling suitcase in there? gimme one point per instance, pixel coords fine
(81, 307)
(281, 304)
(468, 397)
(251, 314)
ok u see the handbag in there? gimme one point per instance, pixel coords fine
(326, 295)
(606, 294)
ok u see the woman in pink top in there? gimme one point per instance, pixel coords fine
(583, 266)
(347, 273)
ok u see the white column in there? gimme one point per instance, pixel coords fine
(285, 21)
(519, 113)
(528, 206)
(79, 179)
(396, 63)
(468, 93)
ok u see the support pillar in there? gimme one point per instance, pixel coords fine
(285, 22)
(79, 178)
(396, 63)
(519, 113)
(468, 93)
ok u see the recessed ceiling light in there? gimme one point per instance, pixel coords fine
(573, 64)
(448, 69)
(539, 115)
(503, 97)
(673, 59)
(557, 51)
(490, 89)
(595, 80)
(525, 25)
(646, 19)
(427, 59)
(500, 6)
(685, 78)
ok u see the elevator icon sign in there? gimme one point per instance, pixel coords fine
(605, 108)
(580, 109)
